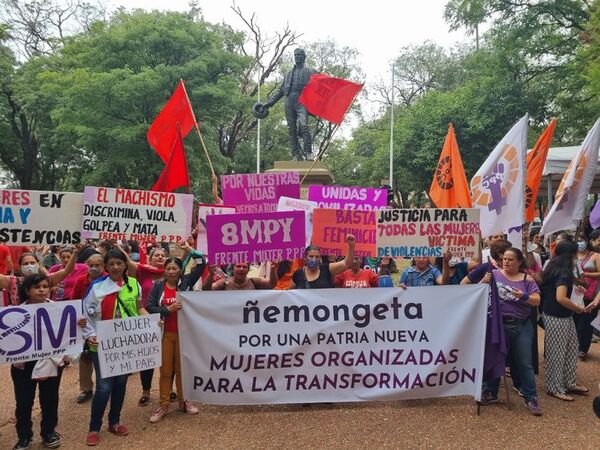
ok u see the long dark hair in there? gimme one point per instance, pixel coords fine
(113, 253)
(562, 264)
(28, 282)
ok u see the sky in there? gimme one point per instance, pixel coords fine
(378, 29)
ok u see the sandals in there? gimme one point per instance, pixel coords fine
(578, 390)
(563, 397)
(144, 400)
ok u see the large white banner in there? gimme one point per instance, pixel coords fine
(40, 331)
(332, 345)
(40, 217)
(129, 345)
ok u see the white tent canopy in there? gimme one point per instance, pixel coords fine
(557, 162)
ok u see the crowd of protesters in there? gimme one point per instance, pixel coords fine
(123, 279)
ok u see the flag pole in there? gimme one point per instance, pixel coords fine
(320, 154)
(258, 127)
(212, 170)
(392, 133)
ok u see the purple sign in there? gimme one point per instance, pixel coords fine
(236, 238)
(259, 192)
(345, 197)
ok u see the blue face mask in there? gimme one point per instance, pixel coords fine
(581, 246)
(312, 263)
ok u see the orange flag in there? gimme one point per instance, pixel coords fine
(449, 188)
(536, 159)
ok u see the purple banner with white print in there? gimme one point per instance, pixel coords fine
(40, 331)
(346, 197)
(259, 192)
(274, 236)
(332, 345)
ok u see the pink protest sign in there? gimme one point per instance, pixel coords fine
(259, 192)
(235, 238)
(346, 197)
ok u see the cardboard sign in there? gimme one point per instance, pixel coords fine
(259, 192)
(428, 232)
(129, 345)
(236, 238)
(331, 226)
(296, 204)
(40, 331)
(345, 197)
(145, 216)
(40, 217)
(203, 211)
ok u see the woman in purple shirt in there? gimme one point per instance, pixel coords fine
(517, 293)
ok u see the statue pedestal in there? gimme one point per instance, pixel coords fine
(318, 175)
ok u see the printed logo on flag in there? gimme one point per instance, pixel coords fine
(528, 196)
(491, 190)
(562, 195)
(443, 173)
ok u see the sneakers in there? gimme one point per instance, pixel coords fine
(93, 438)
(159, 414)
(84, 396)
(119, 430)
(23, 444)
(173, 397)
(533, 406)
(51, 440)
(488, 398)
(188, 408)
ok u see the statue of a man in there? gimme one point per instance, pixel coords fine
(295, 113)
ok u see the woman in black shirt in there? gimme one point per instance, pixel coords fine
(560, 339)
(318, 275)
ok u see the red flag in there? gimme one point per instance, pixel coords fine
(328, 97)
(162, 132)
(175, 173)
(536, 159)
(449, 188)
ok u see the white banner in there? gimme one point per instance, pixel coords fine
(296, 204)
(203, 211)
(332, 345)
(40, 331)
(130, 214)
(40, 217)
(129, 345)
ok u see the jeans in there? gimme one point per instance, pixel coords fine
(519, 337)
(112, 388)
(25, 395)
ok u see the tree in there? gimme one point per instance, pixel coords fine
(466, 13)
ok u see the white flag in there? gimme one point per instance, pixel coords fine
(569, 203)
(498, 187)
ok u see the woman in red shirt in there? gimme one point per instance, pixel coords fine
(163, 300)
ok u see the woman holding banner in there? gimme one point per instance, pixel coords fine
(517, 293)
(110, 297)
(162, 300)
(589, 260)
(318, 275)
(45, 374)
(560, 338)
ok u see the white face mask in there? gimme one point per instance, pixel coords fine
(29, 269)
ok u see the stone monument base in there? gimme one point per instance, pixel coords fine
(318, 175)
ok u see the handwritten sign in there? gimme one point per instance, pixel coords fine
(296, 204)
(236, 238)
(331, 226)
(146, 216)
(427, 232)
(259, 192)
(129, 345)
(203, 211)
(344, 197)
(40, 217)
(39, 331)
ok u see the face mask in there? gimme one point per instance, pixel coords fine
(581, 246)
(312, 263)
(94, 272)
(29, 269)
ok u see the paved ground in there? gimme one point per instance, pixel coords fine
(443, 423)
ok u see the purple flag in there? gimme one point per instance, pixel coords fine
(595, 215)
(495, 341)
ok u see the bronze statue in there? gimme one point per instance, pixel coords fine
(295, 113)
